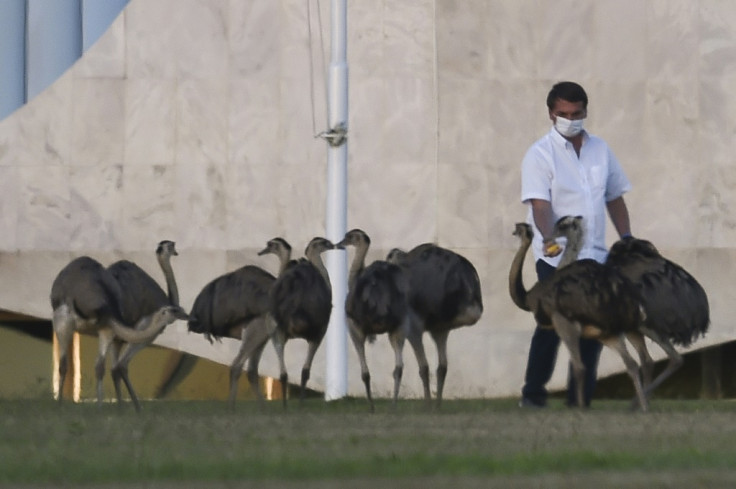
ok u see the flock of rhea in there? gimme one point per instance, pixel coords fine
(428, 289)
(637, 293)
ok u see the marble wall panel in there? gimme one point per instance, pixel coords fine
(254, 207)
(462, 31)
(464, 105)
(673, 39)
(504, 205)
(463, 211)
(365, 39)
(499, 312)
(507, 353)
(718, 207)
(408, 38)
(151, 39)
(43, 208)
(673, 114)
(293, 20)
(469, 364)
(713, 268)
(9, 206)
(717, 125)
(202, 46)
(618, 113)
(106, 58)
(297, 144)
(394, 203)
(299, 62)
(202, 121)
(254, 31)
(95, 206)
(175, 38)
(149, 213)
(510, 41)
(194, 268)
(367, 114)
(655, 213)
(672, 167)
(565, 50)
(716, 162)
(99, 123)
(515, 112)
(254, 123)
(619, 34)
(201, 205)
(150, 121)
(33, 273)
(44, 127)
(302, 202)
(9, 133)
(410, 127)
(717, 39)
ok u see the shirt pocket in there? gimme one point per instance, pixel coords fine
(598, 176)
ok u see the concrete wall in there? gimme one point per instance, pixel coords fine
(191, 120)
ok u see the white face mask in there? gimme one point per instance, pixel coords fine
(568, 128)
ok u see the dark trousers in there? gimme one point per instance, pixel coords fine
(543, 355)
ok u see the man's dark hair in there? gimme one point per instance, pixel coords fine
(567, 90)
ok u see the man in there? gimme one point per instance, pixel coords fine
(568, 172)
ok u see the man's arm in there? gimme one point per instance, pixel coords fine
(619, 214)
(544, 220)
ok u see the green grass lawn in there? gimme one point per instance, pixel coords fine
(339, 444)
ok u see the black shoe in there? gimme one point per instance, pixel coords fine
(525, 402)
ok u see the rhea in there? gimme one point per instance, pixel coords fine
(378, 303)
(300, 306)
(234, 305)
(86, 298)
(583, 298)
(141, 296)
(444, 294)
(676, 304)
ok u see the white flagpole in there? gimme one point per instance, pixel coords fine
(336, 219)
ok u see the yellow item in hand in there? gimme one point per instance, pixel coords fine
(552, 248)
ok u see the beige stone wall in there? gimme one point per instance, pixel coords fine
(191, 120)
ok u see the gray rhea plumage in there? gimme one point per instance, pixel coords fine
(141, 297)
(377, 303)
(87, 298)
(676, 305)
(444, 294)
(234, 305)
(582, 298)
(300, 305)
(230, 302)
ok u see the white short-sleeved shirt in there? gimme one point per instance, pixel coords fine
(576, 186)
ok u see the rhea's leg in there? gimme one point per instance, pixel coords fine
(397, 343)
(569, 333)
(64, 329)
(307, 367)
(358, 338)
(619, 345)
(120, 370)
(414, 336)
(106, 337)
(278, 338)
